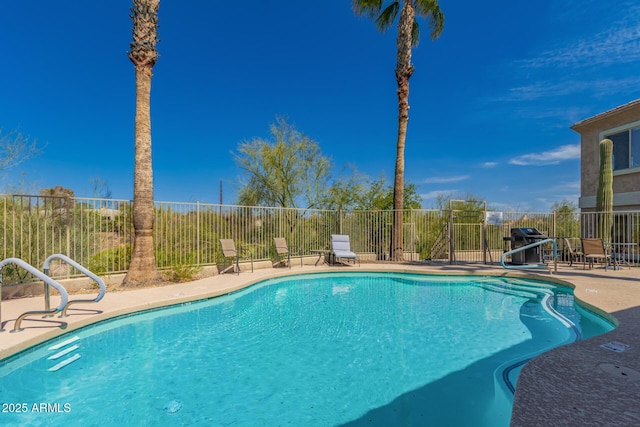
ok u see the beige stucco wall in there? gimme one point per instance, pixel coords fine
(626, 184)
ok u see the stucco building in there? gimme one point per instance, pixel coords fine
(622, 126)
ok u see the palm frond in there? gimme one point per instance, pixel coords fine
(437, 23)
(431, 9)
(415, 34)
(424, 7)
(387, 16)
(368, 8)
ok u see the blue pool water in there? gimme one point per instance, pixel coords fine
(335, 349)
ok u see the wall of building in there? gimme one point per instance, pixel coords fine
(626, 183)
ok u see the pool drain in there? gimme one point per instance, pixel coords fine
(620, 372)
(172, 407)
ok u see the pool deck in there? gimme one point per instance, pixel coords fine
(579, 384)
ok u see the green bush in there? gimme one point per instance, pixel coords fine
(110, 260)
(181, 273)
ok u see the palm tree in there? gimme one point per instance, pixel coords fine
(143, 54)
(408, 36)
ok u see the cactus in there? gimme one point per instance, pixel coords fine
(604, 198)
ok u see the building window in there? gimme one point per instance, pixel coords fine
(626, 148)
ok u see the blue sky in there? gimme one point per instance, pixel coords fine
(492, 100)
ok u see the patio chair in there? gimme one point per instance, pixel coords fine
(593, 249)
(283, 254)
(341, 248)
(573, 253)
(229, 251)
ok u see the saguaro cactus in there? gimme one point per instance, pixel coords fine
(604, 198)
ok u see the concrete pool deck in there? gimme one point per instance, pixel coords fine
(578, 384)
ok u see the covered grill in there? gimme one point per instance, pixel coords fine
(521, 237)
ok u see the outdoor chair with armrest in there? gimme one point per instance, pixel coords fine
(229, 251)
(283, 253)
(573, 253)
(593, 249)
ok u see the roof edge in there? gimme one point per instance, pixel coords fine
(606, 113)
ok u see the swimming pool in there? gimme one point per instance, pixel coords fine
(317, 349)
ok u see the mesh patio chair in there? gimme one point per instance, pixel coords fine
(573, 253)
(593, 249)
(283, 253)
(229, 251)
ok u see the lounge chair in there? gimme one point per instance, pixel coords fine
(283, 253)
(572, 253)
(593, 249)
(341, 248)
(229, 251)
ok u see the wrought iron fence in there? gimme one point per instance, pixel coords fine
(98, 233)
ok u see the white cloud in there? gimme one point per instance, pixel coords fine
(434, 194)
(570, 185)
(551, 157)
(445, 179)
(598, 87)
(619, 44)
(598, 60)
(489, 165)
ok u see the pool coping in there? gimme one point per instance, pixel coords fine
(565, 386)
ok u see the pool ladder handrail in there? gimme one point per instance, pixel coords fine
(102, 287)
(532, 245)
(64, 296)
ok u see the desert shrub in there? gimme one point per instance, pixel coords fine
(110, 260)
(181, 273)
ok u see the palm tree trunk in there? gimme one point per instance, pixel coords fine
(404, 69)
(142, 269)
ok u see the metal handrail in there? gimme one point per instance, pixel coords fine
(64, 296)
(46, 266)
(531, 245)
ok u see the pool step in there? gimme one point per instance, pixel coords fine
(64, 352)
(510, 291)
(64, 363)
(63, 343)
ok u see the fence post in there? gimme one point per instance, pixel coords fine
(197, 232)
(68, 242)
(483, 237)
(451, 235)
